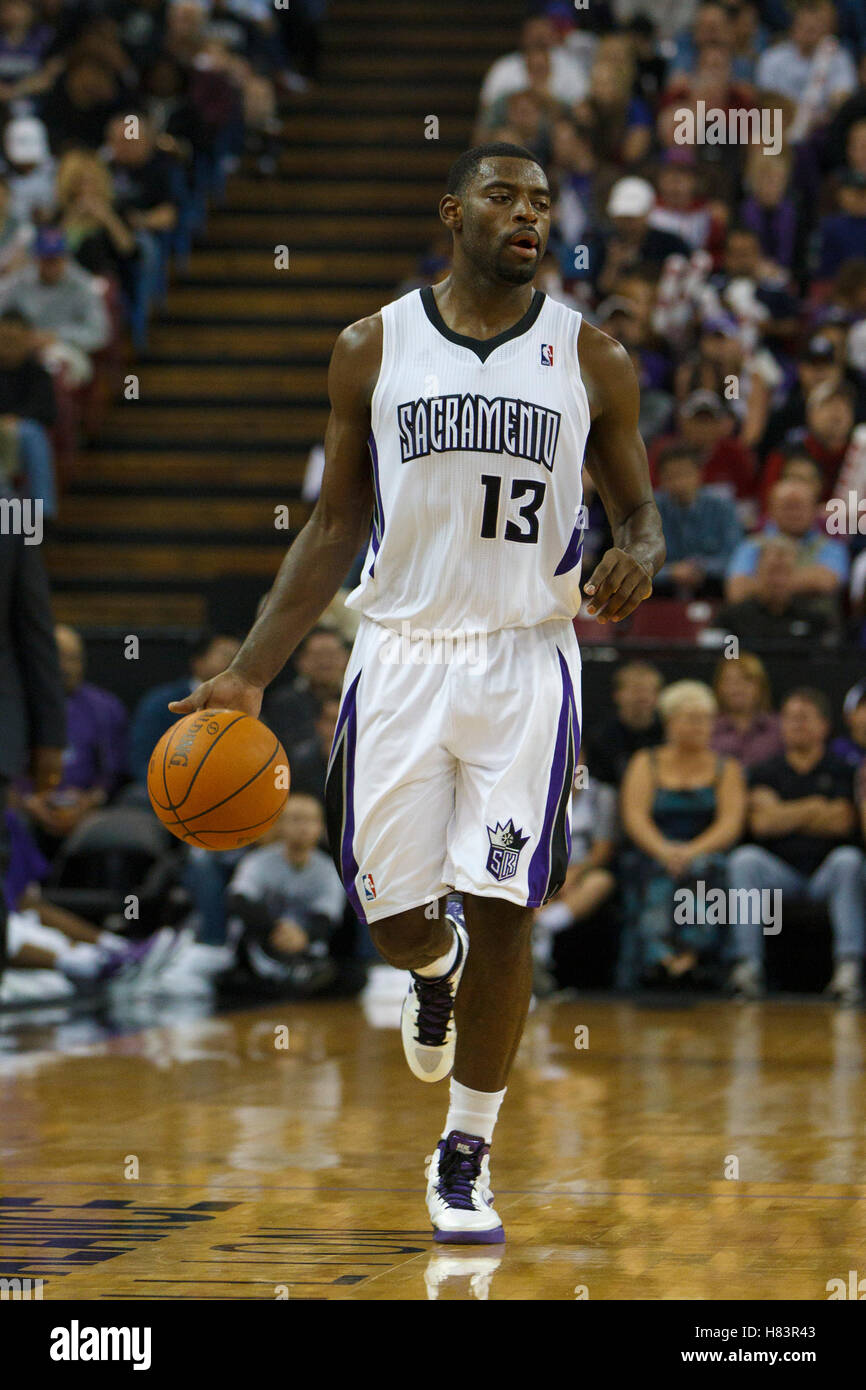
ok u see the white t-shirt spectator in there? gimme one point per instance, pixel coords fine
(568, 81)
(784, 69)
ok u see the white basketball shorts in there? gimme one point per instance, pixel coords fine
(452, 766)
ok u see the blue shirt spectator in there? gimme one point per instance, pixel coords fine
(701, 527)
(211, 655)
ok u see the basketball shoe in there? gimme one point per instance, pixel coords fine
(459, 1198)
(427, 1022)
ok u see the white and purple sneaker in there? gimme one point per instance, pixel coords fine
(427, 1021)
(459, 1198)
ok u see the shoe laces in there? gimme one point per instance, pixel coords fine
(458, 1174)
(435, 1006)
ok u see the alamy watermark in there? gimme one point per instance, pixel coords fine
(421, 646)
(22, 516)
(716, 907)
(737, 126)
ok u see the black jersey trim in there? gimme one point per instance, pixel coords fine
(482, 347)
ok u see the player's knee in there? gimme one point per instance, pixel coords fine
(497, 924)
(408, 939)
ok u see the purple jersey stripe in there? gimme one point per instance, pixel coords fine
(539, 865)
(378, 510)
(345, 739)
(573, 552)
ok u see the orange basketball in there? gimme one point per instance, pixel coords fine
(218, 778)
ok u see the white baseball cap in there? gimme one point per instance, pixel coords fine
(26, 141)
(630, 197)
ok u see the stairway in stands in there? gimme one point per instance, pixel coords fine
(179, 495)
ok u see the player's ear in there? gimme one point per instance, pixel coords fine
(451, 212)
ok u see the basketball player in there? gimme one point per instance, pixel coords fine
(461, 415)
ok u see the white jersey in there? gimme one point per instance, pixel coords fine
(477, 449)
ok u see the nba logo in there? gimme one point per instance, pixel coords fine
(369, 887)
(547, 354)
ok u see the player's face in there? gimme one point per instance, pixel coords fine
(506, 219)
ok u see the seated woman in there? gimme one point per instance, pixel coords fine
(682, 806)
(745, 727)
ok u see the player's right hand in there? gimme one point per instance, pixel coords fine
(228, 690)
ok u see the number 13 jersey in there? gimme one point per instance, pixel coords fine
(477, 448)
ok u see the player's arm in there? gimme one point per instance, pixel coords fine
(318, 561)
(617, 463)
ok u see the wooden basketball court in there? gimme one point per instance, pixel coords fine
(297, 1172)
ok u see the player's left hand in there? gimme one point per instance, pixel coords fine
(616, 587)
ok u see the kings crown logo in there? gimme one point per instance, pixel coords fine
(505, 846)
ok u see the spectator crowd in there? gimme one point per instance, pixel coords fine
(118, 126)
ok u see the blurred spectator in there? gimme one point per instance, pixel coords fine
(748, 37)
(94, 759)
(830, 414)
(768, 209)
(573, 174)
(709, 24)
(25, 66)
(636, 723)
(822, 567)
(851, 747)
(519, 118)
(776, 614)
(801, 813)
(650, 62)
(27, 411)
(16, 236)
(711, 80)
(64, 304)
(142, 179)
(815, 366)
(43, 936)
(96, 235)
(706, 426)
(209, 655)
(754, 290)
(842, 235)
(292, 710)
(310, 758)
(618, 124)
(290, 901)
(510, 73)
(810, 68)
(632, 240)
(682, 806)
(31, 693)
(745, 727)
(84, 98)
(29, 169)
(700, 527)
(681, 208)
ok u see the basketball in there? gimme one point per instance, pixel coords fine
(218, 779)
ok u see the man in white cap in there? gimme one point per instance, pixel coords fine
(30, 168)
(632, 240)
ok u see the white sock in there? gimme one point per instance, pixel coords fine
(473, 1112)
(80, 961)
(444, 965)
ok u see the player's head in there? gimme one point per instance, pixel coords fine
(497, 195)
